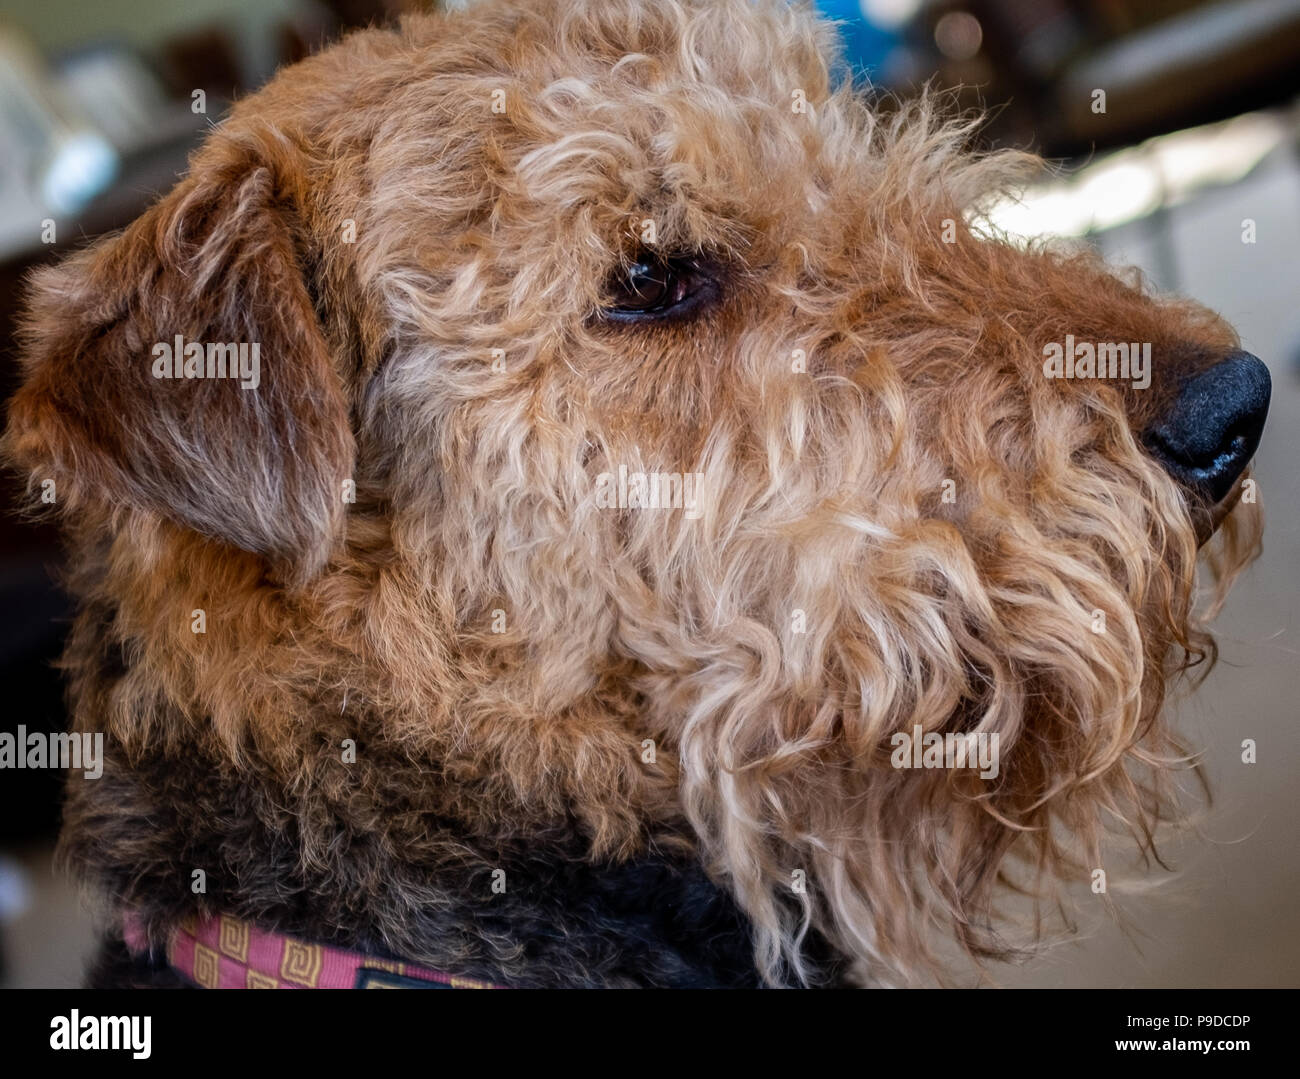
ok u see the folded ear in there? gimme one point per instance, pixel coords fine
(255, 458)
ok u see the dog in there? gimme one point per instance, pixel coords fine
(569, 493)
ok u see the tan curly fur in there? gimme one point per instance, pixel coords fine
(822, 489)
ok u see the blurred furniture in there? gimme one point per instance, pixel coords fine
(1163, 64)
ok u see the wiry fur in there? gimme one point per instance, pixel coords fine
(476, 493)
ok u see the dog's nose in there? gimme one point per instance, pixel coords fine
(1209, 435)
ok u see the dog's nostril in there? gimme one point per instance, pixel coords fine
(1211, 431)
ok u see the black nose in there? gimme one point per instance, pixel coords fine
(1210, 433)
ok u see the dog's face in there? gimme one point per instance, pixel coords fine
(515, 275)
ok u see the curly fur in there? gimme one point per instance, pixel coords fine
(475, 489)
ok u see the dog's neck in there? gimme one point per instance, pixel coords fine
(357, 859)
(373, 854)
(519, 914)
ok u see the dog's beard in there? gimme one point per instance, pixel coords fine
(1055, 617)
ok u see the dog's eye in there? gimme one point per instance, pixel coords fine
(654, 287)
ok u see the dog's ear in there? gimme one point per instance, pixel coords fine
(217, 262)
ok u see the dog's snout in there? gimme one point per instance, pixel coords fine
(1211, 430)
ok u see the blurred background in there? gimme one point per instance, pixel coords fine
(1174, 131)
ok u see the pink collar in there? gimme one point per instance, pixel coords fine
(222, 952)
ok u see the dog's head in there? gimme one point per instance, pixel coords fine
(643, 421)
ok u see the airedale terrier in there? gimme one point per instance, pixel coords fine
(572, 493)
